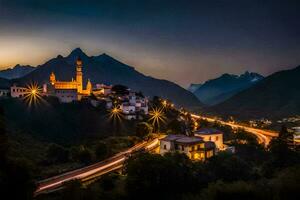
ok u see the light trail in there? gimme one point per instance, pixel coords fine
(264, 136)
(95, 170)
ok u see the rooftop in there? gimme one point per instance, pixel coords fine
(183, 139)
(207, 131)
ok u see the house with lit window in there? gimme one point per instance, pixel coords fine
(66, 95)
(211, 135)
(18, 92)
(194, 147)
(134, 105)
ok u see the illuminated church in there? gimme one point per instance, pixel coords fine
(74, 85)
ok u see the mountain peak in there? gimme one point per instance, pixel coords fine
(77, 53)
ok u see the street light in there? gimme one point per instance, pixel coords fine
(32, 94)
(115, 113)
(157, 116)
(116, 116)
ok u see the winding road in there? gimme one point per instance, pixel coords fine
(92, 171)
(116, 162)
(264, 136)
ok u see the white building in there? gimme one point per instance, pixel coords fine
(17, 92)
(66, 95)
(211, 134)
(194, 147)
(102, 89)
(4, 92)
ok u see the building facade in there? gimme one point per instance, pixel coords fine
(4, 92)
(66, 95)
(70, 86)
(194, 147)
(211, 135)
(18, 92)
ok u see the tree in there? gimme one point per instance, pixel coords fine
(152, 175)
(101, 150)
(282, 154)
(143, 129)
(82, 154)
(57, 154)
(228, 167)
(175, 127)
(120, 89)
(3, 138)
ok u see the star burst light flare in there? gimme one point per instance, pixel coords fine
(157, 116)
(32, 94)
(115, 114)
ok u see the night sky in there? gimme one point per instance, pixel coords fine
(182, 41)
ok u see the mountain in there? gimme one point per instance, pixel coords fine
(105, 69)
(277, 95)
(193, 87)
(217, 90)
(4, 83)
(16, 72)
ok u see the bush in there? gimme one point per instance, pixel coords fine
(101, 150)
(57, 154)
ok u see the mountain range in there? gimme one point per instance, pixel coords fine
(276, 96)
(16, 72)
(217, 90)
(105, 69)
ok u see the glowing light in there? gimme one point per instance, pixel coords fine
(196, 125)
(164, 103)
(116, 114)
(32, 94)
(157, 116)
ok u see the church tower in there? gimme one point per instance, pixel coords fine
(79, 75)
(52, 78)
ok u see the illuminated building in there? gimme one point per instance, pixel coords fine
(65, 90)
(211, 134)
(194, 147)
(133, 104)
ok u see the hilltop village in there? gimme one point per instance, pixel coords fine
(200, 145)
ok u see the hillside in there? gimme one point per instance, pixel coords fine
(278, 95)
(16, 72)
(61, 123)
(105, 69)
(217, 90)
(4, 83)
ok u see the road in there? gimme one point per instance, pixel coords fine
(95, 170)
(116, 162)
(264, 136)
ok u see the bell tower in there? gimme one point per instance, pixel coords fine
(52, 78)
(79, 75)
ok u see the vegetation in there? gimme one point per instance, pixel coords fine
(225, 176)
(253, 172)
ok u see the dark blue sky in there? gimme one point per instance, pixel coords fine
(183, 41)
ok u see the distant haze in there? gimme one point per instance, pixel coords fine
(182, 41)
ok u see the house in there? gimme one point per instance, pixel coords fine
(4, 92)
(67, 95)
(18, 92)
(102, 89)
(212, 135)
(128, 110)
(194, 147)
(134, 104)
